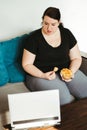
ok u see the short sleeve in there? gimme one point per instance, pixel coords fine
(72, 39)
(31, 43)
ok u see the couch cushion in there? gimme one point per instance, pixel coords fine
(16, 73)
(83, 67)
(3, 71)
(12, 53)
(10, 50)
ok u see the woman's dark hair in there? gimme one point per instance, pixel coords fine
(52, 12)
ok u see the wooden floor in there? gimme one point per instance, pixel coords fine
(74, 116)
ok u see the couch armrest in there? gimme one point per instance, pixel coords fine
(83, 67)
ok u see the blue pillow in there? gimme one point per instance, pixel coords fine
(13, 49)
(10, 50)
(16, 73)
(12, 53)
(3, 71)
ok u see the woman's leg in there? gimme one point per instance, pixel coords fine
(38, 84)
(78, 85)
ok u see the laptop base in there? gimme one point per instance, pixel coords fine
(8, 127)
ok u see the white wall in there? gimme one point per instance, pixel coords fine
(22, 16)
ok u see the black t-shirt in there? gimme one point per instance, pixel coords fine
(48, 57)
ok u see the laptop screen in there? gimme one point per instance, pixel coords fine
(34, 109)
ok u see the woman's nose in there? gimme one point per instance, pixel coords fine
(49, 27)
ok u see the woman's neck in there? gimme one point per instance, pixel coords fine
(54, 39)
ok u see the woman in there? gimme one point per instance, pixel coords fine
(50, 46)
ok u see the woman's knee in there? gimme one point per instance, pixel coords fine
(65, 96)
(66, 100)
(78, 86)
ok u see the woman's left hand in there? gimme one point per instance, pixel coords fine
(67, 80)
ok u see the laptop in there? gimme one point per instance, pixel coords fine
(34, 109)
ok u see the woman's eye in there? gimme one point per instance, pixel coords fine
(46, 23)
(53, 24)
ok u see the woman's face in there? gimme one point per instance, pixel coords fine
(50, 25)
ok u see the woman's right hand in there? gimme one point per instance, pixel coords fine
(49, 75)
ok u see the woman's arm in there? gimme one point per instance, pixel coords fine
(75, 58)
(27, 63)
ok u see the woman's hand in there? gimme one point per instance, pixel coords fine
(49, 75)
(67, 80)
